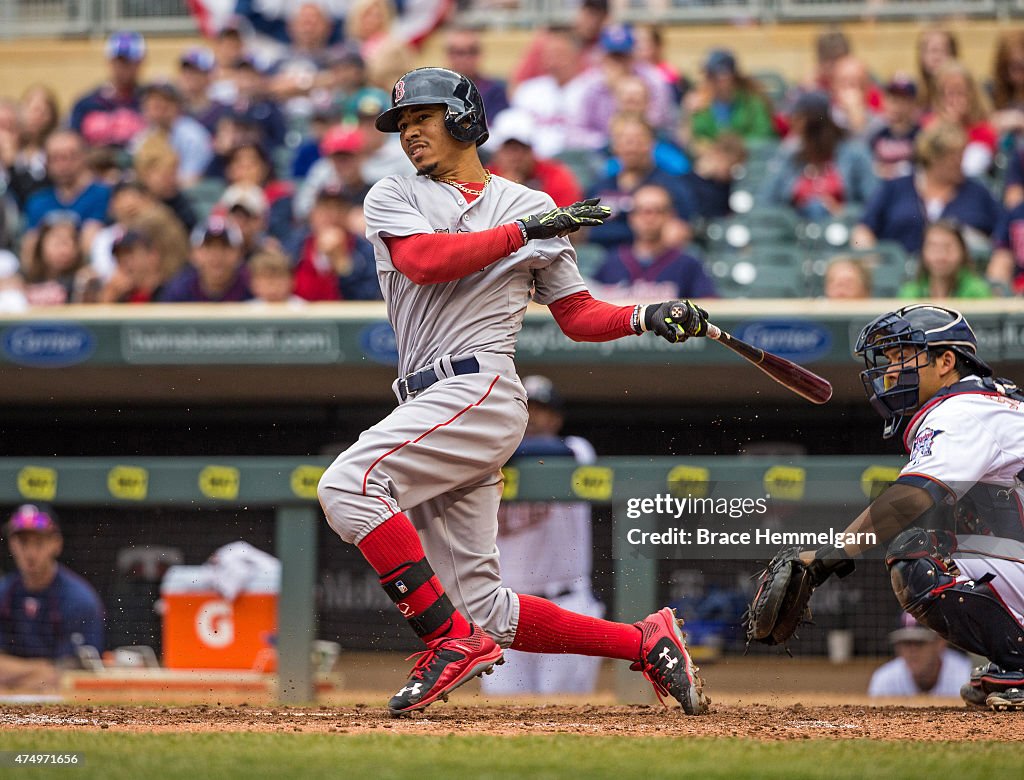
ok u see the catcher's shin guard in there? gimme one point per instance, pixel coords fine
(969, 615)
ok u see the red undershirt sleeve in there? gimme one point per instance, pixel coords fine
(584, 318)
(433, 258)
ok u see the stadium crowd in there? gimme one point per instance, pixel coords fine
(242, 177)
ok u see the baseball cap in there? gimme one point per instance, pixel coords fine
(720, 61)
(245, 196)
(128, 239)
(342, 139)
(617, 39)
(126, 45)
(30, 517)
(601, 6)
(512, 124)
(541, 390)
(332, 190)
(813, 103)
(198, 58)
(911, 631)
(216, 228)
(370, 102)
(902, 86)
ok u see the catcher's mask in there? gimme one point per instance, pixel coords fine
(464, 116)
(892, 387)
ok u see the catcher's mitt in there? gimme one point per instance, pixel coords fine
(780, 603)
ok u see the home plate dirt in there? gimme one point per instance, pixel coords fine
(760, 722)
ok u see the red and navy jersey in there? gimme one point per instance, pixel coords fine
(106, 118)
(49, 623)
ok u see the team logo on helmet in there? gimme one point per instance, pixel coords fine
(399, 90)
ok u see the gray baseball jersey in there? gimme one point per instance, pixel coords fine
(482, 312)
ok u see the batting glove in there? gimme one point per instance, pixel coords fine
(675, 321)
(565, 220)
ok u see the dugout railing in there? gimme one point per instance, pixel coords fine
(829, 486)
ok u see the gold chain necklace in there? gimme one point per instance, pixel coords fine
(463, 187)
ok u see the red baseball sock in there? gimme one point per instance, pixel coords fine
(545, 627)
(394, 551)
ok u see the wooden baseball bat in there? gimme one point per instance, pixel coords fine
(804, 383)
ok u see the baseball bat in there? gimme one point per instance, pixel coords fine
(804, 383)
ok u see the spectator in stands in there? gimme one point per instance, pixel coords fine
(597, 93)
(162, 108)
(553, 96)
(270, 277)
(253, 105)
(325, 114)
(650, 269)
(295, 74)
(923, 666)
(892, 139)
(73, 188)
(1005, 271)
(936, 46)
(632, 96)
(134, 208)
(727, 101)
(900, 208)
(139, 273)
(228, 48)
(856, 101)
(56, 272)
(958, 101)
(156, 165)
(946, 270)
(195, 76)
(463, 47)
(250, 163)
(246, 206)
(711, 180)
(587, 24)
(1008, 86)
(368, 25)
(24, 131)
(513, 157)
(382, 152)
(216, 273)
(847, 278)
(633, 147)
(342, 165)
(650, 49)
(819, 171)
(46, 610)
(333, 262)
(111, 115)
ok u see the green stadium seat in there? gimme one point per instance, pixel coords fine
(889, 263)
(589, 258)
(760, 271)
(204, 194)
(773, 83)
(582, 163)
(772, 224)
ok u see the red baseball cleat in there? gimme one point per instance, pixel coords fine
(447, 663)
(666, 663)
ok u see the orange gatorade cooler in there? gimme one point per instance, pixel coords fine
(203, 630)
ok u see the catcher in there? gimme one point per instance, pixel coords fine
(953, 520)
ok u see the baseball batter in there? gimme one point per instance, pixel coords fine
(459, 255)
(954, 519)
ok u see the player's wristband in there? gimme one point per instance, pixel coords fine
(522, 229)
(638, 321)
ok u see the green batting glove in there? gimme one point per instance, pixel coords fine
(565, 220)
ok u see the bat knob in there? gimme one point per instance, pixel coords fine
(714, 332)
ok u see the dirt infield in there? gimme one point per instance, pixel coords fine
(759, 722)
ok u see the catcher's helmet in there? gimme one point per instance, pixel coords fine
(464, 116)
(920, 327)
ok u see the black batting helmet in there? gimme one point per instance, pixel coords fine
(464, 117)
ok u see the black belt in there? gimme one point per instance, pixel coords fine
(420, 380)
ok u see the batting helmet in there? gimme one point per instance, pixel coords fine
(892, 388)
(464, 117)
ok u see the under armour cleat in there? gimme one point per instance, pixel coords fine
(1004, 701)
(666, 663)
(447, 663)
